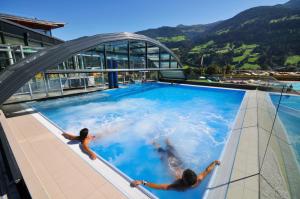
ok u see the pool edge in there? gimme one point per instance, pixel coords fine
(126, 190)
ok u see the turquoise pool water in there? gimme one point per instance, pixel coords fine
(289, 114)
(126, 122)
(296, 86)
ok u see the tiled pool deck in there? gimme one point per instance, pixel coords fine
(237, 176)
(52, 169)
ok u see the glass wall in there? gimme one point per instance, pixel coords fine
(87, 70)
(14, 40)
(153, 56)
(117, 51)
(165, 59)
(137, 54)
(10, 54)
(127, 54)
(279, 151)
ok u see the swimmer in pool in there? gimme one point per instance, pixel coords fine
(184, 179)
(85, 138)
(171, 157)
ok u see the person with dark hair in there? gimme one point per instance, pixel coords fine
(85, 138)
(185, 179)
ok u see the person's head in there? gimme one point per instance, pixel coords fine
(189, 177)
(83, 134)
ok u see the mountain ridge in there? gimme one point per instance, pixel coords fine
(263, 37)
(293, 4)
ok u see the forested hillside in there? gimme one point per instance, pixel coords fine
(266, 37)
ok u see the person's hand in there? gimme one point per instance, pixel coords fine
(217, 162)
(135, 183)
(93, 156)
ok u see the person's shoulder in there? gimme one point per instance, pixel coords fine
(178, 185)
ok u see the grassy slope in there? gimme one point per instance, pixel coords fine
(172, 39)
(292, 60)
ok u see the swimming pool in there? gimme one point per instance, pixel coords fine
(289, 114)
(126, 121)
(296, 85)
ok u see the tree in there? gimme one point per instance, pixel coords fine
(214, 69)
(228, 69)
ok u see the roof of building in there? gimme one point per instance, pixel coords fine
(33, 23)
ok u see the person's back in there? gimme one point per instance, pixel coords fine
(185, 179)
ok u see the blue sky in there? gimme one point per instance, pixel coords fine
(89, 17)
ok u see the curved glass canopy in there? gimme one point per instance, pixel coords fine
(89, 56)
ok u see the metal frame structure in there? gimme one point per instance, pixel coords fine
(15, 76)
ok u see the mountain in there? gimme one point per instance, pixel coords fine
(188, 31)
(265, 37)
(293, 4)
(179, 36)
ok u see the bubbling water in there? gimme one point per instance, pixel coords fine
(138, 121)
(127, 123)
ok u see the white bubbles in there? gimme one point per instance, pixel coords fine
(139, 121)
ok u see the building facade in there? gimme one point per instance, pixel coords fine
(21, 37)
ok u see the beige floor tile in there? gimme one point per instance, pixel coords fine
(246, 160)
(79, 190)
(250, 118)
(110, 192)
(238, 174)
(244, 189)
(96, 195)
(249, 194)
(235, 190)
(46, 180)
(252, 183)
(252, 103)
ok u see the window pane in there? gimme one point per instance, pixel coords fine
(14, 40)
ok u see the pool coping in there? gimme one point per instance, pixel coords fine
(203, 86)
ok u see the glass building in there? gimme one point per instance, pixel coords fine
(87, 64)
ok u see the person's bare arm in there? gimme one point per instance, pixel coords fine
(69, 136)
(208, 169)
(150, 184)
(86, 148)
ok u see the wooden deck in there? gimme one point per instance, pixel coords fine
(49, 167)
